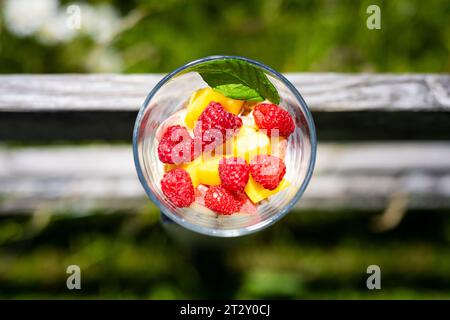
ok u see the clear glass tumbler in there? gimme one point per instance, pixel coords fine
(168, 97)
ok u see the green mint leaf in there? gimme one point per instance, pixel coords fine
(242, 75)
(239, 91)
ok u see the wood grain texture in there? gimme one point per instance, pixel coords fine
(363, 176)
(323, 92)
(344, 106)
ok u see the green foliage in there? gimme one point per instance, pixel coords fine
(306, 255)
(238, 79)
(288, 35)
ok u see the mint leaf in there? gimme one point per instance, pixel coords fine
(237, 79)
(239, 91)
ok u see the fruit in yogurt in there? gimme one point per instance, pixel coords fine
(233, 173)
(176, 146)
(202, 98)
(177, 187)
(203, 170)
(275, 120)
(267, 170)
(214, 126)
(222, 201)
(249, 142)
(208, 171)
(256, 192)
(190, 168)
(220, 155)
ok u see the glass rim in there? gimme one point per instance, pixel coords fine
(238, 231)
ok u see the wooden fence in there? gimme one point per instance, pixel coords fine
(384, 140)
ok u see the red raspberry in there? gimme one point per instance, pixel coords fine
(177, 186)
(267, 170)
(222, 201)
(176, 146)
(270, 116)
(215, 125)
(233, 173)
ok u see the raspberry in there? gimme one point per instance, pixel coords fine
(267, 170)
(215, 125)
(222, 201)
(176, 146)
(233, 174)
(270, 116)
(177, 186)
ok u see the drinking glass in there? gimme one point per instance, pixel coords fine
(169, 96)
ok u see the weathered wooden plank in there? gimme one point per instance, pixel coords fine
(351, 175)
(345, 106)
(323, 91)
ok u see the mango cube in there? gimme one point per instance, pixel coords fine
(190, 167)
(192, 170)
(203, 170)
(200, 100)
(208, 171)
(257, 192)
(249, 143)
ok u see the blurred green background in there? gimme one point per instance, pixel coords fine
(321, 255)
(307, 255)
(289, 35)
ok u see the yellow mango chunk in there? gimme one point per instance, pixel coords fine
(203, 170)
(208, 171)
(190, 167)
(200, 100)
(248, 143)
(257, 192)
(192, 170)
